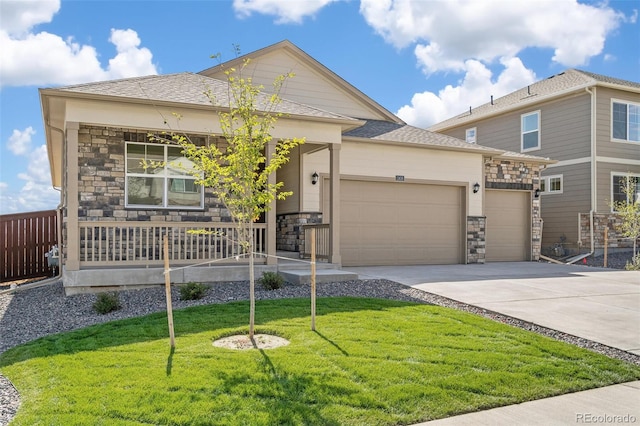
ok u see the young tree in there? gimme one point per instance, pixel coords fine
(629, 211)
(238, 174)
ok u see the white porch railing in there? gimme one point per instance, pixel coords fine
(141, 243)
(322, 241)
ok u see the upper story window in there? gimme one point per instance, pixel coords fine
(620, 181)
(625, 121)
(530, 129)
(551, 184)
(470, 135)
(169, 185)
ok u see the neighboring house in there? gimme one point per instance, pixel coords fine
(381, 192)
(590, 124)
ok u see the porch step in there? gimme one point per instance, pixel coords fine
(322, 276)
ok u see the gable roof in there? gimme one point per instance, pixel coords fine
(182, 88)
(301, 57)
(569, 81)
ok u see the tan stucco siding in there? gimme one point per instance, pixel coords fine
(306, 86)
(140, 116)
(289, 175)
(607, 147)
(377, 161)
(315, 162)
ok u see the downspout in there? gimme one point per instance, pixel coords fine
(594, 192)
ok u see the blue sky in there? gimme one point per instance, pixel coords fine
(424, 60)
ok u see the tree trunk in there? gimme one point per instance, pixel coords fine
(252, 296)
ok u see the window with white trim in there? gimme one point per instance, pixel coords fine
(169, 185)
(551, 184)
(530, 131)
(625, 121)
(619, 181)
(470, 135)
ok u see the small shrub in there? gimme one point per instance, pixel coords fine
(192, 291)
(634, 265)
(106, 302)
(271, 280)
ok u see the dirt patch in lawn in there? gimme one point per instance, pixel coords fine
(243, 342)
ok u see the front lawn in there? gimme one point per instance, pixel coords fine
(370, 362)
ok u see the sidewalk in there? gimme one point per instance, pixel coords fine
(618, 404)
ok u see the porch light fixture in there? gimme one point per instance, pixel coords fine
(476, 187)
(314, 178)
(536, 193)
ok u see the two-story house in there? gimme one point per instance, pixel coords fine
(590, 123)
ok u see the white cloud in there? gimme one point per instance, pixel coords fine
(29, 58)
(38, 167)
(447, 33)
(131, 60)
(20, 141)
(285, 11)
(475, 89)
(18, 17)
(36, 193)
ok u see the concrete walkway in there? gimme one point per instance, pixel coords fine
(598, 304)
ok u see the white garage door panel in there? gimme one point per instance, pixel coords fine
(508, 229)
(387, 223)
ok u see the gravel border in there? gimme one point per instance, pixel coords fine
(37, 312)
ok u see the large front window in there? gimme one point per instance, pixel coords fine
(620, 182)
(530, 129)
(625, 121)
(159, 176)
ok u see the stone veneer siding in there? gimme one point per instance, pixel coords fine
(101, 182)
(522, 176)
(290, 230)
(611, 221)
(476, 240)
(509, 174)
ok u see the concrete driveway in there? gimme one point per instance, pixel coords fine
(598, 304)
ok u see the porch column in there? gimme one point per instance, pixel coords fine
(334, 204)
(70, 179)
(270, 216)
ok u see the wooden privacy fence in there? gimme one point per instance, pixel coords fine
(26, 238)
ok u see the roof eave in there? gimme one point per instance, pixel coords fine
(486, 152)
(534, 101)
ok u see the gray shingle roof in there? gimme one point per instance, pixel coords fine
(567, 81)
(186, 88)
(394, 132)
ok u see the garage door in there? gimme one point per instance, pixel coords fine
(508, 230)
(393, 223)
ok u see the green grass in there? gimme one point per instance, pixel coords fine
(370, 362)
